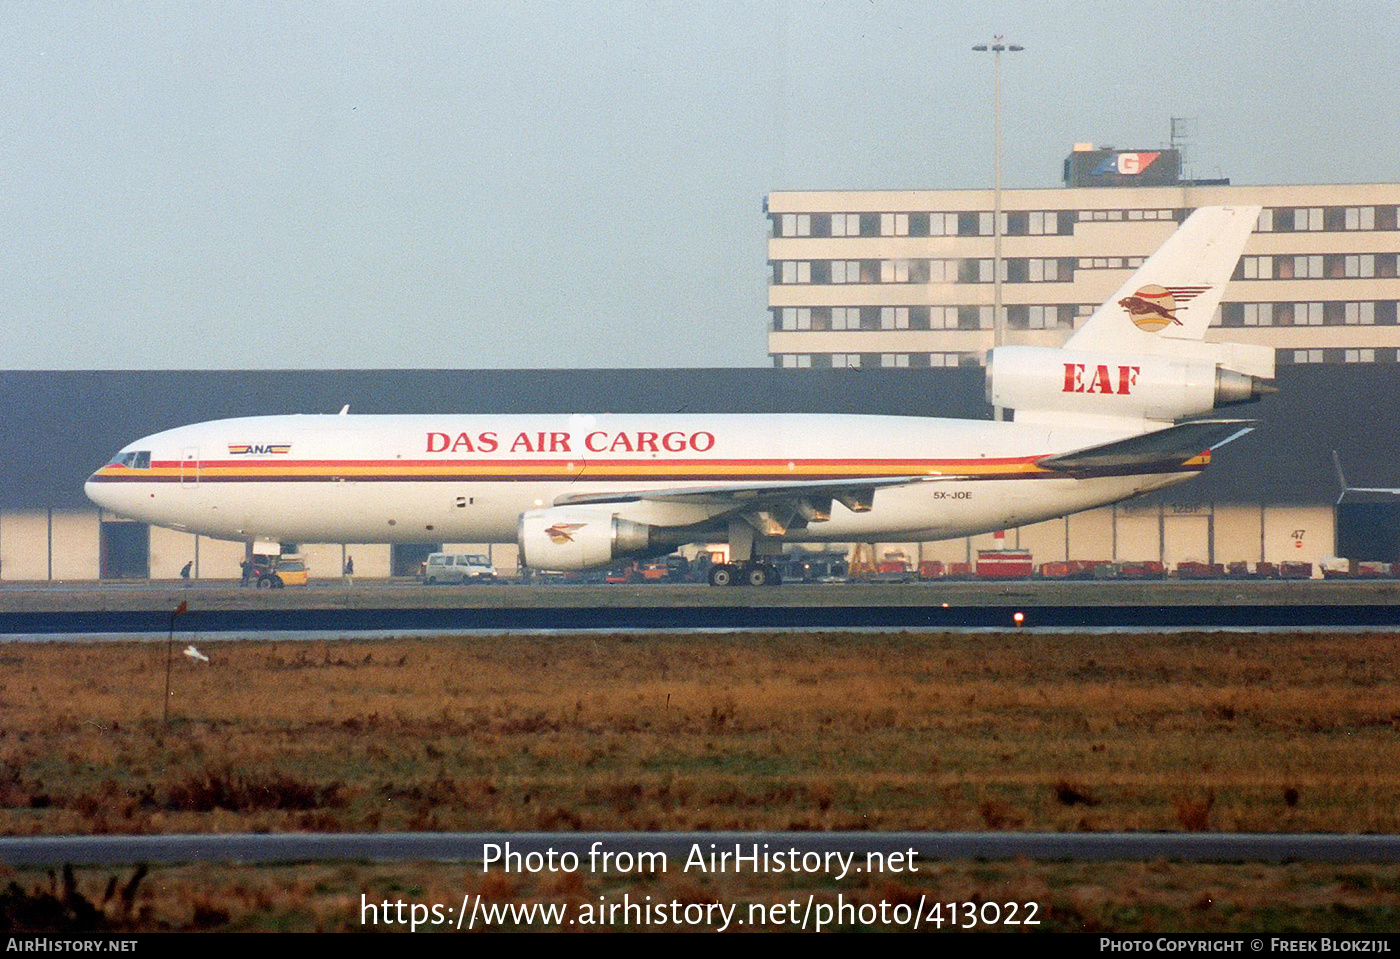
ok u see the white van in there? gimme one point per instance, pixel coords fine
(458, 568)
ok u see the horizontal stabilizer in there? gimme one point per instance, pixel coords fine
(1168, 449)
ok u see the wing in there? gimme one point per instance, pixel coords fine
(775, 507)
(772, 507)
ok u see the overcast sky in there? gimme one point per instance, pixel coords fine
(559, 184)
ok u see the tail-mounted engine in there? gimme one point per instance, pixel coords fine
(1114, 384)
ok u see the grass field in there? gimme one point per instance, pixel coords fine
(1198, 732)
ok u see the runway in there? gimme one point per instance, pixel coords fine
(57, 611)
(474, 847)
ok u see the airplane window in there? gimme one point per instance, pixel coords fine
(136, 459)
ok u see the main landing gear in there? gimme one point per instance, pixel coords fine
(744, 574)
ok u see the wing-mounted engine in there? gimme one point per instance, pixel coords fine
(573, 538)
(1132, 386)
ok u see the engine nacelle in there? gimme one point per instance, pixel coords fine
(573, 538)
(1113, 384)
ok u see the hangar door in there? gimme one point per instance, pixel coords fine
(1369, 531)
(406, 558)
(1188, 533)
(125, 550)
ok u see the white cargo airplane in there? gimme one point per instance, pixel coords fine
(1115, 413)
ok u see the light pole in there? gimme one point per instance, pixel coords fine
(996, 47)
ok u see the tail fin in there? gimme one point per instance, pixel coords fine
(1173, 295)
(1141, 359)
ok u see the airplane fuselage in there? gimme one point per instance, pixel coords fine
(468, 479)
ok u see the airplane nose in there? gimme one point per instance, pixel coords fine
(95, 492)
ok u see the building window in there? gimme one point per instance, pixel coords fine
(794, 271)
(1258, 314)
(1359, 356)
(1359, 314)
(1357, 218)
(943, 360)
(943, 318)
(975, 271)
(1043, 317)
(795, 318)
(845, 224)
(1044, 223)
(943, 224)
(1307, 314)
(1116, 216)
(795, 361)
(894, 360)
(845, 318)
(894, 224)
(1333, 219)
(845, 360)
(1314, 266)
(1021, 317)
(795, 224)
(894, 318)
(845, 271)
(1256, 268)
(1307, 356)
(1360, 265)
(1300, 267)
(894, 271)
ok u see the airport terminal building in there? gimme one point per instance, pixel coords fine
(880, 302)
(888, 278)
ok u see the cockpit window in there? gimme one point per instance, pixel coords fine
(134, 459)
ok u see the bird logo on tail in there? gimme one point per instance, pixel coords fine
(1153, 308)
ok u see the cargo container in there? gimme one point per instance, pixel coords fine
(1149, 569)
(1191, 569)
(1004, 564)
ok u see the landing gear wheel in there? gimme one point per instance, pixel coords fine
(722, 575)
